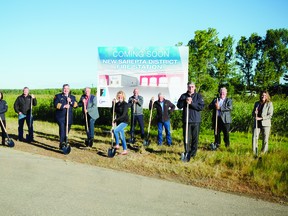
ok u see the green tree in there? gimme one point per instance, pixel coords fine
(247, 54)
(265, 75)
(202, 51)
(223, 62)
(276, 52)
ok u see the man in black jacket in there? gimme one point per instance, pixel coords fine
(164, 109)
(23, 107)
(195, 105)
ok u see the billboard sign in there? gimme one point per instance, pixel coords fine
(150, 69)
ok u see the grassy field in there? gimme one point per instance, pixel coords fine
(232, 170)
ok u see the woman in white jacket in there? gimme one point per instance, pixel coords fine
(262, 113)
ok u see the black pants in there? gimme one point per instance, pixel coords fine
(225, 128)
(3, 135)
(193, 137)
(62, 130)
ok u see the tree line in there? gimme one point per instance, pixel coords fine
(253, 64)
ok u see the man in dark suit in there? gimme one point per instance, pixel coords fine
(222, 107)
(64, 102)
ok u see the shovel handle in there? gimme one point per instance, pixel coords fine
(216, 119)
(150, 118)
(3, 125)
(186, 126)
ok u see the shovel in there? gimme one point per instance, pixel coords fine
(132, 139)
(112, 150)
(214, 146)
(256, 148)
(9, 141)
(256, 137)
(184, 155)
(87, 128)
(28, 138)
(66, 148)
(147, 141)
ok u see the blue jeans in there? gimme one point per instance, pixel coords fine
(120, 130)
(166, 125)
(140, 120)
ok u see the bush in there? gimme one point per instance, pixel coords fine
(242, 120)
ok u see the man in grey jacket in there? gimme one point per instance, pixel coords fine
(221, 119)
(136, 104)
(89, 106)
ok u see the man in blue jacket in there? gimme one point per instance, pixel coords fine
(195, 105)
(164, 108)
(88, 103)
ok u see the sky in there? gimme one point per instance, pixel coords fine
(44, 44)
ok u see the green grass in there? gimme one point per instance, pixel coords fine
(234, 169)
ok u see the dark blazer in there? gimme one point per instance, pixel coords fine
(225, 110)
(91, 107)
(60, 100)
(168, 109)
(197, 105)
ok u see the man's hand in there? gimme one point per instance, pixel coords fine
(189, 100)
(67, 106)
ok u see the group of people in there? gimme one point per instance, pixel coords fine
(190, 102)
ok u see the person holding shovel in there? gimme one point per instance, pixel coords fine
(121, 121)
(136, 104)
(88, 103)
(23, 107)
(221, 118)
(164, 108)
(3, 110)
(262, 113)
(62, 102)
(191, 103)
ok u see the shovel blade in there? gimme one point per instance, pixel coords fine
(146, 142)
(66, 148)
(131, 140)
(212, 147)
(10, 143)
(183, 156)
(111, 152)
